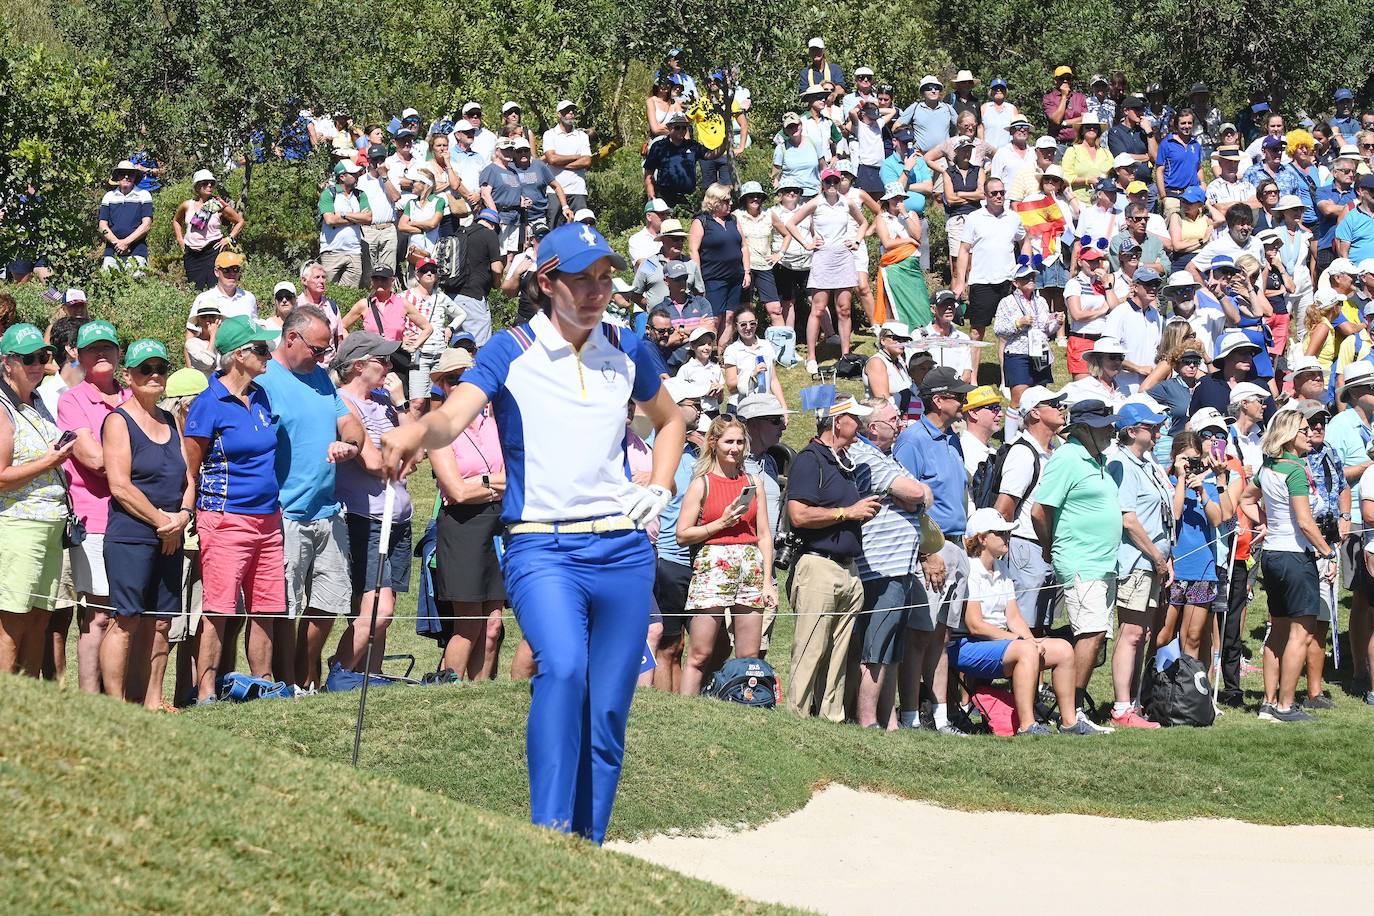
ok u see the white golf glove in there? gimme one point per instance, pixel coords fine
(644, 504)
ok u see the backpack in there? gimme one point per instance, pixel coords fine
(986, 483)
(851, 365)
(451, 254)
(997, 706)
(750, 681)
(342, 679)
(1180, 694)
(241, 688)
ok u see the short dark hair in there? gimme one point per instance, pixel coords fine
(1137, 209)
(63, 335)
(659, 312)
(1238, 213)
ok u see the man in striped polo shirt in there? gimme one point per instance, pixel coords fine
(887, 565)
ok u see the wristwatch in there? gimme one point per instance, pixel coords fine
(841, 515)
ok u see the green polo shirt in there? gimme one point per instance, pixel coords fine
(1085, 513)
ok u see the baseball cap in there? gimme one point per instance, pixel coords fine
(490, 215)
(346, 165)
(1133, 102)
(944, 380)
(676, 117)
(1137, 187)
(584, 214)
(1137, 414)
(999, 83)
(574, 247)
(1092, 413)
(682, 389)
(845, 404)
(185, 383)
(144, 349)
(863, 71)
(1222, 262)
(240, 331)
(508, 107)
(1145, 275)
(816, 43)
(95, 331)
(1045, 143)
(1124, 161)
(982, 396)
(405, 133)
(1366, 182)
(1343, 266)
(1245, 391)
(1106, 186)
(409, 113)
(1206, 418)
(791, 118)
(760, 405)
(1063, 70)
(676, 270)
(1308, 408)
(471, 106)
(563, 105)
(426, 263)
(657, 205)
(360, 345)
(894, 329)
(1272, 143)
(376, 152)
(1193, 195)
(21, 339)
(73, 296)
(1199, 89)
(981, 521)
(1023, 269)
(1128, 246)
(1038, 395)
(1343, 95)
(285, 286)
(228, 259)
(463, 125)
(383, 272)
(1098, 78)
(700, 332)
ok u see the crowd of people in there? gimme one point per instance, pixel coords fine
(1210, 283)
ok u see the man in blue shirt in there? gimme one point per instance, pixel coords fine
(670, 167)
(315, 432)
(932, 119)
(1355, 234)
(1333, 201)
(1179, 164)
(818, 72)
(1344, 120)
(930, 450)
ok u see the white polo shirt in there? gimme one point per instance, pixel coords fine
(242, 304)
(1139, 333)
(382, 210)
(569, 143)
(991, 241)
(561, 416)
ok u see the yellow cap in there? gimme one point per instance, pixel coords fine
(983, 396)
(1136, 187)
(1063, 71)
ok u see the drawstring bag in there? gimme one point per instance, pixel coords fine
(784, 341)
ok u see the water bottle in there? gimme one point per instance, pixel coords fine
(760, 378)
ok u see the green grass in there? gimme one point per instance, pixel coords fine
(113, 810)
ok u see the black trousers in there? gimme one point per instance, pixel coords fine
(1231, 644)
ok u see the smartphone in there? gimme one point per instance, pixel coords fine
(64, 439)
(1219, 449)
(746, 496)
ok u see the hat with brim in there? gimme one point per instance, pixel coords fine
(126, 167)
(981, 521)
(1106, 346)
(1304, 363)
(22, 339)
(845, 404)
(1308, 408)
(185, 383)
(1359, 374)
(240, 331)
(574, 247)
(1040, 396)
(944, 380)
(1229, 153)
(94, 332)
(1207, 418)
(1052, 171)
(894, 191)
(760, 405)
(1289, 202)
(1181, 279)
(1232, 341)
(201, 176)
(982, 396)
(144, 349)
(814, 92)
(751, 189)
(671, 228)
(1092, 413)
(454, 359)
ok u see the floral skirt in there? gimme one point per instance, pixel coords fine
(725, 575)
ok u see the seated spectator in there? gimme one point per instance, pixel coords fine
(148, 515)
(885, 374)
(993, 640)
(732, 579)
(702, 370)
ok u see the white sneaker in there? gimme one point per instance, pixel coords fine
(1101, 729)
(811, 367)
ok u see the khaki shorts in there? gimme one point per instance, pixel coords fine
(1141, 592)
(317, 574)
(954, 234)
(1089, 604)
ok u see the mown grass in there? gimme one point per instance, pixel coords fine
(112, 810)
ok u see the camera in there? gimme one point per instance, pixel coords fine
(1330, 528)
(1195, 466)
(786, 551)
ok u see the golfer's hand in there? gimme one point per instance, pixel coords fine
(643, 504)
(400, 447)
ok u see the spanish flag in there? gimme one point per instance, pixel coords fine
(1042, 218)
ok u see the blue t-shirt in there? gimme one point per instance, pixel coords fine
(1180, 161)
(936, 459)
(931, 126)
(891, 171)
(308, 412)
(674, 165)
(1195, 559)
(123, 213)
(1358, 229)
(237, 475)
(801, 164)
(667, 546)
(1325, 229)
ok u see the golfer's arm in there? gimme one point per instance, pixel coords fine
(670, 436)
(445, 424)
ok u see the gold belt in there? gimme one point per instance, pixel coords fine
(589, 526)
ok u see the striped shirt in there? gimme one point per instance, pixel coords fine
(890, 538)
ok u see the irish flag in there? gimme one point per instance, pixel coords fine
(1043, 221)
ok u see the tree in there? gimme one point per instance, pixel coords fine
(60, 127)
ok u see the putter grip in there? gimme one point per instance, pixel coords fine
(388, 509)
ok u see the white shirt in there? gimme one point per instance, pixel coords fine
(1082, 287)
(1096, 223)
(707, 374)
(469, 167)
(569, 143)
(382, 210)
(1010, 162)
(1017, 471)
(52, 387)
(744, 359)
(484, 145)
(992, 590)
(991, 241)
(1246, 449)
(975, 451)
(960, 359)
(643, 245)
(241, 304)
(1207, 323)
(1139, 332)
(1221, 192)
(396, 169)
(1091, 389)
(1224, 244)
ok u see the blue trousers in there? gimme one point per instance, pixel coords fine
(583, 602)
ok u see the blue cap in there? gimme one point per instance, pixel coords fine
(1092, 413)
(461, 337)
(1344, 95)
(998, 81)
(1193, 195)
(1146, 275)
(1259, 106)
(489, 215)
(573, 247)
(1106, 185)
(1136, 414)
(1272, 143)
(1220, 261)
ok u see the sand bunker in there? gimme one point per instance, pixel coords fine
(860, 852)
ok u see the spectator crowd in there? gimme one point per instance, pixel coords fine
(972, 518)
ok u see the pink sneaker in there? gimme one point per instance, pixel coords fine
(1132, 718)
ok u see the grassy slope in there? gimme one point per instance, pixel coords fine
(139, 813)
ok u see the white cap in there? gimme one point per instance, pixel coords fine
(508, 107)
(73, 295)
(422, 174)
(586, 213)
(285, 286)
(1180, 279)
(1366, 266)
(1247, 390)
(202, 175)
(863, 71)
(1045, 143)
(1090, 119)
(1107, 346)
(894, 329)
(1206, 418)
(930, 79)
(1326, 296)
(409, 113)
(700, 332)
(620, 286)
(816, 43)
(471, 106)
(1305, 363)
(1036, 395)
(564, 103)
(1358, 374)
(1343, 266)
(681, 389)
(981, 521)
(1124, 161)
(657, 205)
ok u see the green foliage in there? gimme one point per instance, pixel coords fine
(60, 123)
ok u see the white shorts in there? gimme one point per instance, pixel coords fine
(88, 565)
(1089, 603)
(861, 258)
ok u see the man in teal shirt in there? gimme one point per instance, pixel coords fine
(1348, 433)
(1077, 518)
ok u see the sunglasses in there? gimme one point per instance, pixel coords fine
(773, 421)
(258, 349)
(1316, 423)
(453, 378)
(231, 271)
(996, 193)
(747, 324)
(1191, 362)
(152, 367)
(38, 357)
(1212, 434)
(663, 332)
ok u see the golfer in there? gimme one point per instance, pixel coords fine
(578, 569)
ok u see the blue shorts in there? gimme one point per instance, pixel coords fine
(364, 542)
(149, 581)
(1017, 370)
(724, 295)
(764, 286)
(980, 658)
(1054, 276)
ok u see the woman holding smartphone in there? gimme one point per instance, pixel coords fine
(724, 512)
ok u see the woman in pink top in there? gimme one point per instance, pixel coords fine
(471, 475)
(82, 409)
(394, 317)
